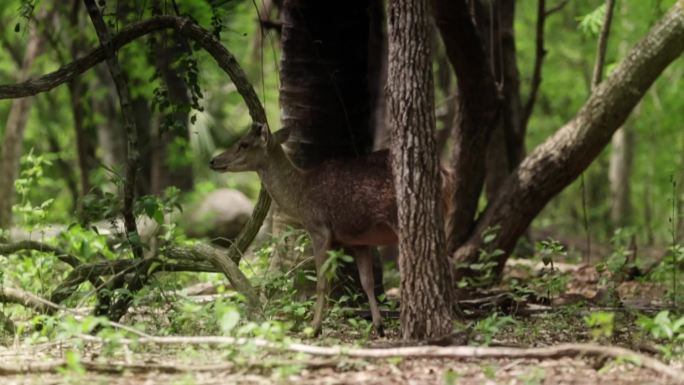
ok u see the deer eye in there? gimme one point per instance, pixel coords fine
(243, 145)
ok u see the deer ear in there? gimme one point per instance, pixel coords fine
(260, 130)
(280, 136)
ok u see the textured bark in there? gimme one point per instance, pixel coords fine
(478, 111)
(559, 160)
(426, 291)
(14, 134)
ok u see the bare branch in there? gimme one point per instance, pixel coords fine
(602, 45)
(106, 367)
(540, 53)
(556, 8)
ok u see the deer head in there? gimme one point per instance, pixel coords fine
(251, 151)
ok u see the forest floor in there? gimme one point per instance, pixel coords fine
(562, 320)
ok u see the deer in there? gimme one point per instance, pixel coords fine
(342, 203)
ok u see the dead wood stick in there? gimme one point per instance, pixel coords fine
(106, 367)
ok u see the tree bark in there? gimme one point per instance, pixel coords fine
(426, 285)
(14, 134)
(559, 160)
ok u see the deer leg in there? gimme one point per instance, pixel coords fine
(321, 245)
(364, 263)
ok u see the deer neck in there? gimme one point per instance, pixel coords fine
(283, 181)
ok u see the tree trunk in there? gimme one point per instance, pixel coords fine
(559, 160)
(14, 134)
(477, 113)
(619, 175)
(621, 155)
(426, 285)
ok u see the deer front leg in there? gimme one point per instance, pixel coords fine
(364, 263)
(321, 245)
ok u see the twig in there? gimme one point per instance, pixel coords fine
(556, 8)
(602, 45)
(453, 352)
(540, 53)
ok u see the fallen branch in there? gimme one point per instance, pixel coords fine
(24, 298)
(453, 352)
(197, 258)
(11, 248)
(104, 367)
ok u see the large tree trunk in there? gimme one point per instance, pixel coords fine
(559, 160)
(14, 134)
(426, 285)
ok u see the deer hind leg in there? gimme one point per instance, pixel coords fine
(364, 263)
(321, 244)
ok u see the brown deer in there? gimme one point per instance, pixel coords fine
(346, 203)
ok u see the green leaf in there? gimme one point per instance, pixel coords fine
(229, 320)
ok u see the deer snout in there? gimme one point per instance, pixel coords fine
(214, 165)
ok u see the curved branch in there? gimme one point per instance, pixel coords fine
(182, 25)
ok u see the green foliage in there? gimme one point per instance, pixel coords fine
(601, 324)
(31, 177)
(668, 330)
(489, 327)
(487, 261)
(592, 22)
(336, 259)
